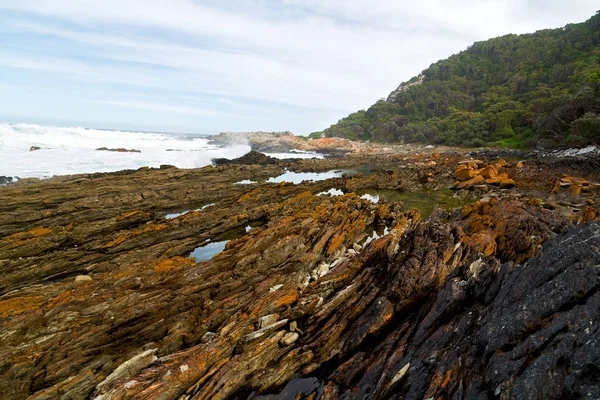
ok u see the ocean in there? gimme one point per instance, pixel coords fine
(72, 150)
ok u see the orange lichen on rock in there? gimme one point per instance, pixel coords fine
(438, 383)
(497, 180)
(476, 180)
(506, 229)
(172, 264)
(463, 173)
(507, 183)
(251, 195)
(469, 176)
(19, 305)
(332, 143)
(336, 242)
(129, 234)
(574, 185)
(489, 172)
(33, 233)
(69, 296)
(482, 242)
(586, 214)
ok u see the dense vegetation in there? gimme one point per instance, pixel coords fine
(516, 90)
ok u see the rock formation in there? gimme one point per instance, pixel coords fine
(274, 142)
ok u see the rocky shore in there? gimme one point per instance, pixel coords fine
(314, 296)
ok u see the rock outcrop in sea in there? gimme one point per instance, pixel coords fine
(274, 142)
(497, 298)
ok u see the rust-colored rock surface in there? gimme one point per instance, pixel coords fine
(312, 296)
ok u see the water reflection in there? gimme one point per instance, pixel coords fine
(207, 252)
(371, 198)
(331, 192)
(175, 215)
(296, 154)
(376, 232)
(218, 243)
(299, 177)
(424, 201)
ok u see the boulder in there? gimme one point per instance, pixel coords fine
(507, 183)
(477, 180)
(463, 173)
(489, 172)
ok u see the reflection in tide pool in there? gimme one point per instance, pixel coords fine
(207, 252)
(175, 215)
(296, 154)
(378, 233)
(424, 201)
(299, 177)
(371, 198)
(331, 192)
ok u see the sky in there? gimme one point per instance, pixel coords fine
(235, 65)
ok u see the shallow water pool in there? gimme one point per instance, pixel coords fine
(206, 252)
(424, 201)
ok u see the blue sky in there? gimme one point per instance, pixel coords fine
(233, 65)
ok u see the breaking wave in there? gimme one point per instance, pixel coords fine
(65, 150)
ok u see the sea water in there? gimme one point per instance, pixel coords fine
(72, 150)
(66, 151)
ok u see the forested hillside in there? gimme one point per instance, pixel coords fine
(516, 90)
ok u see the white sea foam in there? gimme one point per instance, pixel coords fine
(73, 150)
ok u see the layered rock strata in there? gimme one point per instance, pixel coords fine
(99, 299)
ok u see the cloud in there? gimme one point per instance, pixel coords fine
(168, 108)
(335, 56)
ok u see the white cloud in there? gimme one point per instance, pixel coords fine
(169, 108)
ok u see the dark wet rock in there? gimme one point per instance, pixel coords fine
(510, 331)
(250, 158)
(5, 180)
(119, 150)
(34, 148)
